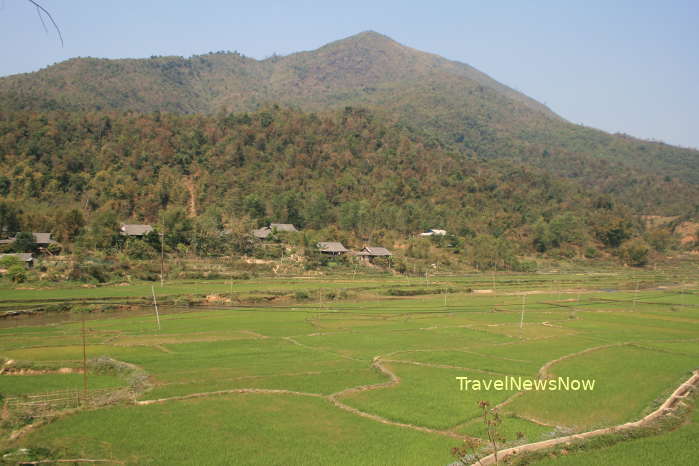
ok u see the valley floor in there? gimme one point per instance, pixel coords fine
(362, 370)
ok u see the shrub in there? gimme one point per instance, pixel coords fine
(17, 273)
(635, 252)
(591, 253)
(8, 261)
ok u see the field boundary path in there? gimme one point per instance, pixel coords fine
(669, 404)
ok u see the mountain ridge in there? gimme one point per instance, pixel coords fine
(451, 101)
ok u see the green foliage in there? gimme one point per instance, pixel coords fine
(418, 248)
(102, 230)
(178, 228)
(8, 261)
(452, 103)
(24, 242)
(136, 248)
(635, 252)
(345, 171)
(612, 230)
(9, 216)
(68, 225)
(17, 273)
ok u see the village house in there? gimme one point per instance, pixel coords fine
(332, 248)
(135, 230)
(264, 232)
(43, 240)
(434, 232)
(370, 252)
(25, 257)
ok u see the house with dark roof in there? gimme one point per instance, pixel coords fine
(43, 240)
(331, 247)
(25, 257)
(135, 230)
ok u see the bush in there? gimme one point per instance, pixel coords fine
(17, 273)
(635, 252)
(301, 295)
(138, 249)
(8, 261)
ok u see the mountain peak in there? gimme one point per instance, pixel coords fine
(369, 38)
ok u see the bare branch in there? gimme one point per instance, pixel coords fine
(40, 9)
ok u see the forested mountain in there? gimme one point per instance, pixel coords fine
(349, 169)
(445, 100)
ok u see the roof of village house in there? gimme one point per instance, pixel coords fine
(374, 251)
(43, 238)
(434, 231)
(282, 227)
(23, 256)
(39, 238)
(262, 233)
(332, 246)
(136, 230)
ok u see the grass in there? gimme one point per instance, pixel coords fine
(42, 383)
(677, 447)
(321, 350)
(247, 429)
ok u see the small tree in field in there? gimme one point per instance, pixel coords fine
(469, 451)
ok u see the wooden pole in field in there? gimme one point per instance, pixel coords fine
(493, 276)
(84, 355)
(155, 304)
(521, 319)
(162, 258)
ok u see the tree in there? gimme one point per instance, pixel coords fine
(24, 242)
(318, 212)
(178, 227)
(102, 231)
(253, 206)
(43, 11)
(9, 219)
(17, 273)
(68, 225)
(635, 252)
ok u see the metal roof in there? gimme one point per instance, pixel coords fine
(136, 230)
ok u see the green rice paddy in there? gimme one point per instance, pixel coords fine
(368, 379)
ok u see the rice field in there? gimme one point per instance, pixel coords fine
(353, 371)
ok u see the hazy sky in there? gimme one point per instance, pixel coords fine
(622, 66)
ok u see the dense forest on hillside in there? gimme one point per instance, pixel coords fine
(445, 100)
(347, 170)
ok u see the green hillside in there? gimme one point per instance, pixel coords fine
(450, 101)
(348, 170)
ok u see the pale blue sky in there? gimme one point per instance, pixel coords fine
(622, 66)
